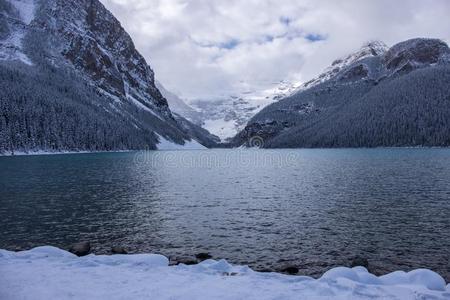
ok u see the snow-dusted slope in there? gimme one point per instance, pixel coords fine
(26, 9)
(17, 16)
(50, 273)
(371, 49)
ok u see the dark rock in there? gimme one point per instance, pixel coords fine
(360, 262)
(416, 52)
(185, 261)
(264, 270)
(203, 256)
(359, 71)
(230, 274)
(80, 249)
(291, 270)
(118, 250)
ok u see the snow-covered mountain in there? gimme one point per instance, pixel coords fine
(370, 49)
(373, 97)
(226, 116)
(84, 41)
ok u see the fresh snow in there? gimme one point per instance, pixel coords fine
(143, 107)
(11, 48)
(26, 9)
(165, 144)
(51, 273)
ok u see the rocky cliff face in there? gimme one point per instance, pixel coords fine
(414, 54)
(84, 38)
(91, 39)
(374, 97)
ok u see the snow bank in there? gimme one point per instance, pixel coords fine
(51, 273)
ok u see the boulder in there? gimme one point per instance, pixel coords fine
(291, 270)
(360, 262)
(118, 250)
(80, 249)
(183, 260)
(264, 270)
(203, 256)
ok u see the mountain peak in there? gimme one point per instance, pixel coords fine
(376, 47)
(416, 52)
(373, 48)
(369, 49)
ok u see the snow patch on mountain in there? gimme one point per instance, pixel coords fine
(165, 144)
(26, 9)
(11, 48)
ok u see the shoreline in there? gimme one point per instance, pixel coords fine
(287, 267)
(44, 153)
(51, 273)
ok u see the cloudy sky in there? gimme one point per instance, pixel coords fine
(210, 48)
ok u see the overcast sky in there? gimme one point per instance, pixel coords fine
(210, 48)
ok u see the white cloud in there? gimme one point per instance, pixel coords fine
(209, 48)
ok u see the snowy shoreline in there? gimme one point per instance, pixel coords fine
(51, 273)
(168, 148)
(39, 153)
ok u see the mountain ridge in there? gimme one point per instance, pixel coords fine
(354, 105)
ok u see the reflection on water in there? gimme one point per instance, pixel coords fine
(266, 208)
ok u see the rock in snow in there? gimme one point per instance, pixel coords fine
(51, 273)
(80, 249)
(118, 250)
(203, 256)
(360, 262)
(291, 270)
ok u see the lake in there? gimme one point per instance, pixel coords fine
(314, 209)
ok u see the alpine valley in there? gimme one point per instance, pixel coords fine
(71, 79)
